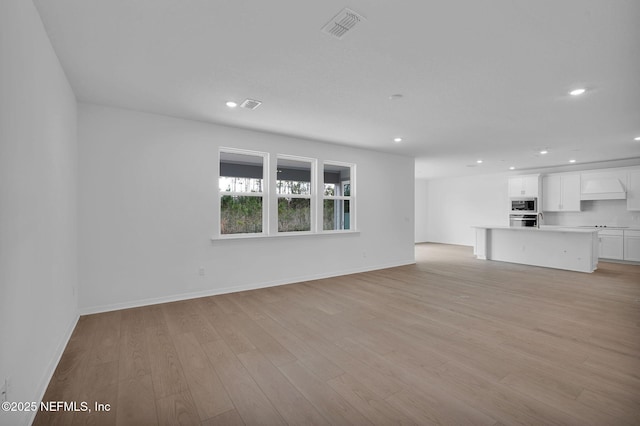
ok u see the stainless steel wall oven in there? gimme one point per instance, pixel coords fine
(523, 220)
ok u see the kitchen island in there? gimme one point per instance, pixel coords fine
(557, 247)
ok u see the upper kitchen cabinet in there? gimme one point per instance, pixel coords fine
(561, 193)
(524, 186)
(633, 190)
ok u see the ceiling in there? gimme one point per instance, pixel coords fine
(482, 80)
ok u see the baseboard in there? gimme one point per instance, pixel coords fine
(51, 368)
(623, 262)
(234, 289)
(446, 243)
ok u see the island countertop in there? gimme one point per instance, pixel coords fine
(573, 249)
(543, 228)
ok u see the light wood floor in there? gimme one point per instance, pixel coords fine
(450, 340)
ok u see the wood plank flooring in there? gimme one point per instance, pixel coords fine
(451, 340)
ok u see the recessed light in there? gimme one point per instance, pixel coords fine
(512, 168)
(396, 140)
(231, 104)
(544, 151)
(636, 138)
(577, 92)
(396, 96)
(572, 161)
(479, 161)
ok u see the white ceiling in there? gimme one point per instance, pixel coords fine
(481, 79)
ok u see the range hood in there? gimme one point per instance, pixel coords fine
(603, 189)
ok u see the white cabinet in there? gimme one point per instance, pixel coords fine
(611, 244)
(632, 245)
(524, 186)
(551, 193)
(561, 193)
(620, 244)
(633, 190)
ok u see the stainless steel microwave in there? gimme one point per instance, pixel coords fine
(524, 205)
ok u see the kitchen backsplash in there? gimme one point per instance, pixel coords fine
(600, 212)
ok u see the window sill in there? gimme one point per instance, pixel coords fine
(235, 237)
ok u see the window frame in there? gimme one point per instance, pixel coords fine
(270, 196)
(264, 194)
(312, 196)
(351, 197)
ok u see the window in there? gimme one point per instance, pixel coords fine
(294, 187)
(337, 203)
(259, 196)
(241, 185)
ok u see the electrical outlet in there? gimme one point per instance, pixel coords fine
(201, 271)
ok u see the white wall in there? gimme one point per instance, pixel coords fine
(421, 209)
(454, 205)
(596, 212)
(148, 187)
(38, 221)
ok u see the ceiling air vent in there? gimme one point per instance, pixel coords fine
(250, 104)
(342, 23)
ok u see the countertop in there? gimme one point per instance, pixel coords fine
(621, 228)
(559, 228)
(543, 228)
(615, 228)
